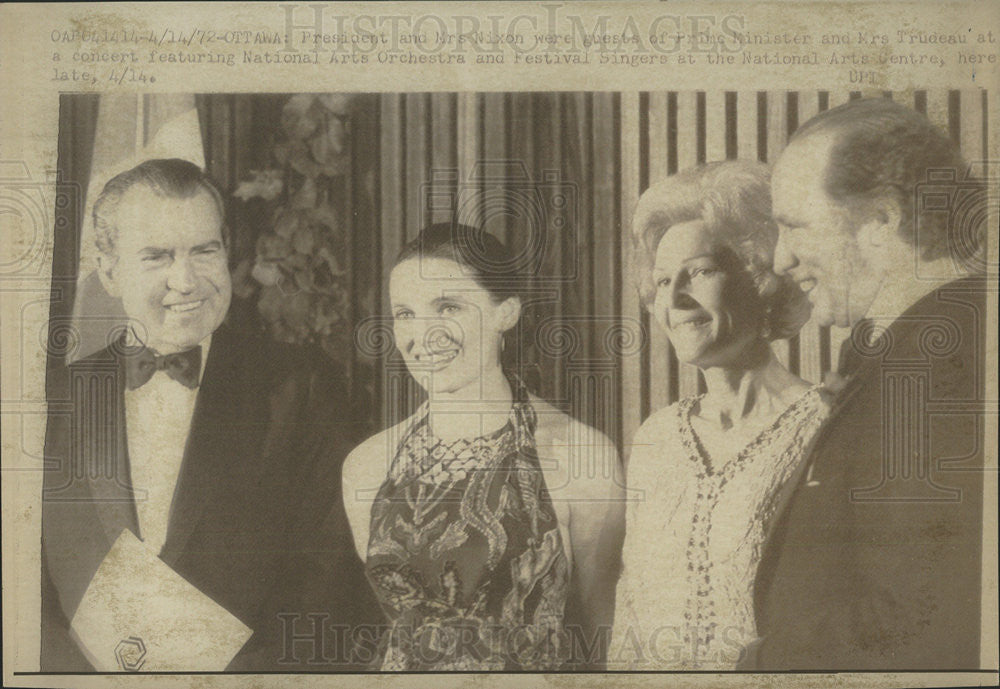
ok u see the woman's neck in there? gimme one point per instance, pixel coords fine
(737, 396)
(473, 410)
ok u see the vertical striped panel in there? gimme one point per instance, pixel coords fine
(812, 336)
(937, 107)
(777, 124)
(992, 154)
(972, 146)
(715, 125)
(687, 156)
(417, 162)
(393, 386)
(494, 149)
(582, 292)
(519, 114)
(443, 157)
(365, 244)
(658, 125)
(469, 128)
(220, 144)
(659, 163)
(687, 128)
(241, 127)
(557, 235)
(777, 137)
(576, 296)
(631, 310)
(971, 141)
(992, 137)
(392, 183)
(521, 148)
(746, 125)
(606, 228)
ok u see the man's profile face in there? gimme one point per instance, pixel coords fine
(817, 240)
(171, 268)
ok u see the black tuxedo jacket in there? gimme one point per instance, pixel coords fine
(876, 561)
(257, 522)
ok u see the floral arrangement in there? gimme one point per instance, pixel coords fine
(297, 275)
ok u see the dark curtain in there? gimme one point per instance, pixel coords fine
(75, 146)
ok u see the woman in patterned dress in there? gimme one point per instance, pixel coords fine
(480, 525)
(713, 468)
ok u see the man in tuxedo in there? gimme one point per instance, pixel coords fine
(195, 469)
(876, 562)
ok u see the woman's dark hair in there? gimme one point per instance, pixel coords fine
(492, 266)
(482, 256)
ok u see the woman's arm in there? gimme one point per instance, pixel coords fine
(643, 456)
(359, 480)
(594, 489)
(365, 469)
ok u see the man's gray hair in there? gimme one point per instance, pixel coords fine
(168, 177)
(881, 147)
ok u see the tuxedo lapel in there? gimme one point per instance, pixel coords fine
(110, 474)
(213, 444)
(89, 499)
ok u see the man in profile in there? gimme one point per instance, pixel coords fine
(193, 520)
(876, 562)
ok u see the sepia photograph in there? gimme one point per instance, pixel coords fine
(432, 335)
(662, 381)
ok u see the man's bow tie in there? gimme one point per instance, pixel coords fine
(183, 367)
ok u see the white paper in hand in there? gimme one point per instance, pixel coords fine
(140, 615)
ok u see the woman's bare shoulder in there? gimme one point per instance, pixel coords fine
(580, 461)
(660, 423)
(658, 431)
(374, 454)
(558, 430)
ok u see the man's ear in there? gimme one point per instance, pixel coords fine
(105, 271)
(881, 226)
(510, 313)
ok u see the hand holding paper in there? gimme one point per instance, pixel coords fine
(140, 615)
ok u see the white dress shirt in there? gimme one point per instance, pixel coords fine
(157, 422)
(137, 612)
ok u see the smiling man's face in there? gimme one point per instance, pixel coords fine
(171, 268)
(818, 238)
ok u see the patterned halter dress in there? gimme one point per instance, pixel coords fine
(465, 554)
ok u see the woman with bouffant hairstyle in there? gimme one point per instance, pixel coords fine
(712, 467)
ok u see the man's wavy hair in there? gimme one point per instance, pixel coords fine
(168, 177)
(882, 147)
(733, 199)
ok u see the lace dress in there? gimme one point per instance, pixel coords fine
(694, 538)
(465, 554)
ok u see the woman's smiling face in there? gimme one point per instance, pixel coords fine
(447, 327)
(705, 300)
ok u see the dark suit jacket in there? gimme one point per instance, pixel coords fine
(876, 560)
(257, 522)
